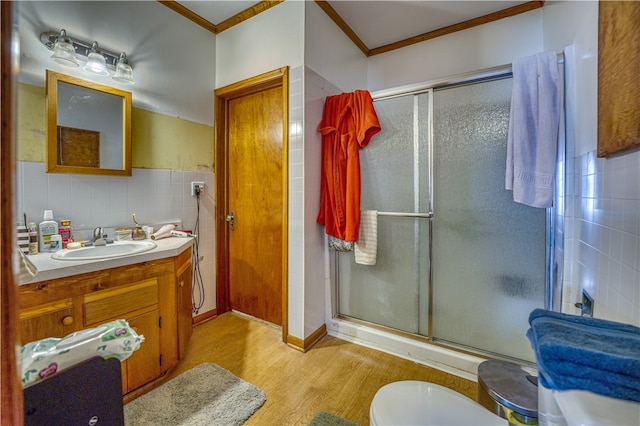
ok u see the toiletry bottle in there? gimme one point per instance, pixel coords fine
(65, 229)
(33, 238)
(46, 229)
(55, 242)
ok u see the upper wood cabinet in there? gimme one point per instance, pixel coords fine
(618, 77)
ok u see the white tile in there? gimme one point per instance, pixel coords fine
(296, 72)
(629, 250)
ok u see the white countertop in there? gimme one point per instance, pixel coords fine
(589, 409)
(48, 268)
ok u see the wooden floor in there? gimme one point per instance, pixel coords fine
(334, 375)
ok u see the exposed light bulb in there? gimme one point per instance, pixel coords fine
(96, 63)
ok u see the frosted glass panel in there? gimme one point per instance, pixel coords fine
(488, 251)
(393, 291)
(394, 167)
(395, 178)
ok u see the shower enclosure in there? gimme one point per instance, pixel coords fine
(459, 262)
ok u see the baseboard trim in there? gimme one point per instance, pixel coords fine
(306, 344)
(209, 315)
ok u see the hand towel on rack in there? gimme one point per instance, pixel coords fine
(533, 130)
(366, 248)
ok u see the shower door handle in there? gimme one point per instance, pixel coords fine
(231, 218)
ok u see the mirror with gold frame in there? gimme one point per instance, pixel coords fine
(88, 127)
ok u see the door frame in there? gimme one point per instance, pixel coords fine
(222, 97)
(10, 385)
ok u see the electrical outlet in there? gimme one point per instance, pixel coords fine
(197, 188)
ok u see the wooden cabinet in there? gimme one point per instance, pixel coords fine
(618, 81)
(184, 278)
(137, 303)
(54, 319)
(153, 297)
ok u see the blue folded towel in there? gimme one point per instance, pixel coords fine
(585, 353)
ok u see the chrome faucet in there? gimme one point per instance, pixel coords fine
(98, 237)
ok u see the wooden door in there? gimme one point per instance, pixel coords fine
(255, 198)
(251, 181)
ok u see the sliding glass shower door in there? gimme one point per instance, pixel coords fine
(395, 182)
(488, 251)
(485, 254)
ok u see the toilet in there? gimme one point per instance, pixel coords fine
(412, 402)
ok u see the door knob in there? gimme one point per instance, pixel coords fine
(231, 218)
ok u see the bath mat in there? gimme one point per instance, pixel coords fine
(327, 419)
(205, 395)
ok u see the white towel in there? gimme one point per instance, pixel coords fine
(533, 129)
(366, 248)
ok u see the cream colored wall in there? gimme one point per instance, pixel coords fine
(163, 142)
(268, 41)
(330, 53)
(158, 141)
(30, 133)
(494, 44)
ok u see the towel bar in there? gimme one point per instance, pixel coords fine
(399, 214)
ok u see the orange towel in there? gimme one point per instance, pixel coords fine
(348, 123)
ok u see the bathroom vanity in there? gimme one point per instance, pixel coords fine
(151, 290)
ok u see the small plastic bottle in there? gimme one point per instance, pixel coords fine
(46, 229)
(33, 238)
(65, 229)
(55, 242)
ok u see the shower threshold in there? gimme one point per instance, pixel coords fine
(444, 356)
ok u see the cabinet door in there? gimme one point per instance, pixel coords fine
(50, 320)
(144, 365)
(185, 324)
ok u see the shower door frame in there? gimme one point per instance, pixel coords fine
(552, 295)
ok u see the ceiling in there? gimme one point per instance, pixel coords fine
(374, 26)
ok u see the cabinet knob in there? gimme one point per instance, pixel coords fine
(68, 320)
(181, 283)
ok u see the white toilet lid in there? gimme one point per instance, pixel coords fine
(422, 403)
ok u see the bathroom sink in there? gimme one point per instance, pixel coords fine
(116, 249)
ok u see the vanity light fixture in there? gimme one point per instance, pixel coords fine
(69, 52)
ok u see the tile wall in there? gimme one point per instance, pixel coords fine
(603, 235)
(156, 197)
(296, 240)
(306, 286)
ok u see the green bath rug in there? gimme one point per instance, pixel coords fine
(327, 419)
